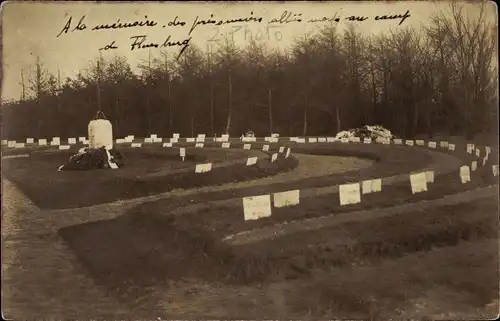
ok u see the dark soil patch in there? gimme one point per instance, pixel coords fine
(136, 251)
(39, 180)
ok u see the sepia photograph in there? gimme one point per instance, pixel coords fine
(250, 160)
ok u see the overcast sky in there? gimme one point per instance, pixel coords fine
(32, 29)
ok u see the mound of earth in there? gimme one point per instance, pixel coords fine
(367, 131)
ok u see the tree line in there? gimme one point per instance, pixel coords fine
(441, 78)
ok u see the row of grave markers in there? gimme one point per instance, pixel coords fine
(256, 207)
(207, 167)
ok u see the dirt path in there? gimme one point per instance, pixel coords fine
(41, 277)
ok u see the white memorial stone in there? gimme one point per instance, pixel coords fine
(274, 157)
(265, 148)
(182, 152)
(167, 144)
(288, 150)
(376, 185)
(226, 145)
(135, 145)
(478, 152)
(451, 147)
(418, 183)
(432, 144)
(429, 176)
(29, 140)
(495, 170)
(355, 139)
(199, 145)
(322, 140)
(247, 146)
(288, 198)
(281, 150)
(465, 174)
(42, 142)
(367, 140)
(148, 140)
(473, 166)
(366, 187)
(256, 207)
(251, 161)
(225, 138)
(63, 147)
(398, 141)
(330, 139)
(19, 145)
(349, 194)
(190, 140)
(419, 142)
(409, 142)
(203, 168)
(312, 140)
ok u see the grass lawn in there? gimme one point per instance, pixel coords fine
(143, 174)
(133, 253)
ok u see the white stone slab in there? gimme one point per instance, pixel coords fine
(465, 174)
(251, 161)
(366, 187)
(256, 207)
(432, 144)
(167, 144)
(247, 146)
(376, 185)
(429, 176)
(226, 145)
(203, 168)
(265, 148)
(42, 142)
(288, 198)
(199, 145)
(349, 194)
(418, 183)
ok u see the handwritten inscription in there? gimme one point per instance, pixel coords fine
(239, 28)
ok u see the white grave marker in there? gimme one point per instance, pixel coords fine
(203, 168)
(322, 140)
(478, 152)
(167, 144)
(465, 174)
(330, 139)
(367, 140)
(429, 176)
(473, 166)
(63, 147)
(182, 152)
(256, 207)
(226, 145)
(4, 142)
(376, 185)
(274, 157)
(19, 145)
(135, 145)
(312, 140)
(265, 148)
(29, 140)
(288, 150)
(148, 140)
(251, 161)
(419, 142)
(495, 170)
(157, 140)
(355, 139)
(71, 141)
(418, 183)
(288, 198)
(11, 143)
(190, 140)
(176, 136)
(432, 144)
(398, 141)
(272, 139)
(487, 149)
(409, 142)
(344, 140)
(349, 194)
(153, 136)
(198, 145)
(366, 187)
(42, 142)
(247, 146)
(174, 140)
(301, 140)
(451, 147)
(281, 150)
(225, 138)
(470, 147)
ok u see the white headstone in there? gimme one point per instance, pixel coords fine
(200, 139)
(330, 139)
(247, 146)
(376, 185)
(225, 138)
(443, 144)
(344, 140)
(265, 148)
(418, 183)
(386, 141)
(167, 144)
(288, 198)
(174, 140)
(29, 140)
(451, 147)
(182, 152)
(473, 166)
(256, 207)
(198, 145)
(176, 136)
(485, 159)
(19, 145)
(157, 140)
(349, 194)
(355, 139)
(367, 140)
(366, 187)
(203, 168)
(419, 142)
(465, 174)
(63, 147)
(429, 176)
(312, 140)
(273, 139)
(478, 152)
(275, 135)
(42, 142)
(274, 157)
(148, 140)
(135, 145)
(398, 141)
(11, 143)
(53, 143)
(226, 145)
(154, 136)
(487, 149)
(293, 139)
(409, 142)
(72, 141)
(288, 150)
(281, 150)
(190, 140)
(495, 170)
(470, 148)
(301, 140)
(432, 144)
(251, 161)
(322, 140)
